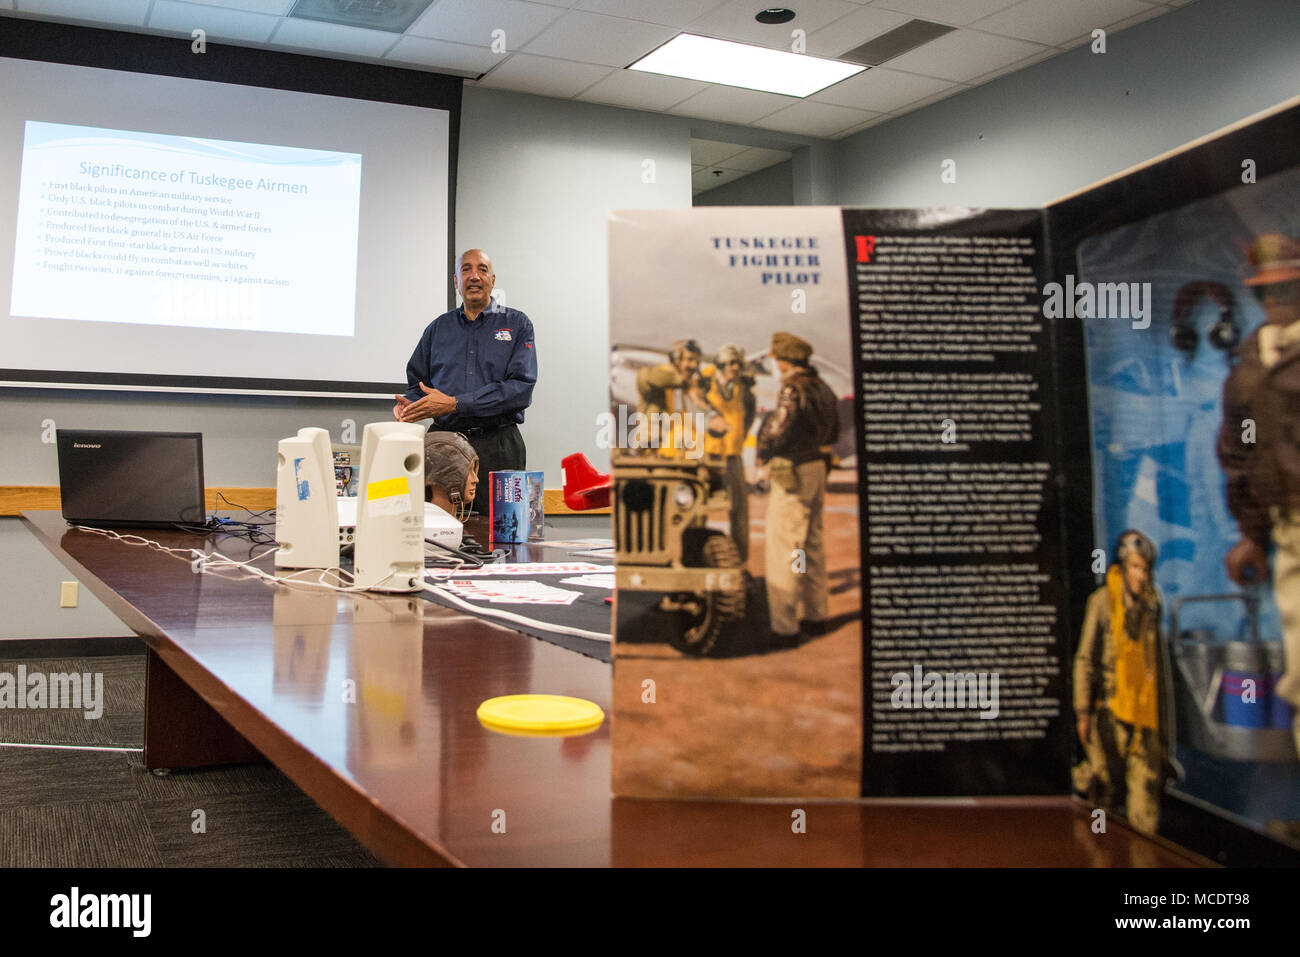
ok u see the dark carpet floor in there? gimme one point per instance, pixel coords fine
(70, 807)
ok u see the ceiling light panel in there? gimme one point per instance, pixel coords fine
(738, 64)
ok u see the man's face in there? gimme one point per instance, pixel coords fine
(1136, 573)
(688, 363)
(475, 279)
(729, 370)
(1281, 302)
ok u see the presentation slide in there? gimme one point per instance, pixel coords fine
(156, 230)
(120, 226)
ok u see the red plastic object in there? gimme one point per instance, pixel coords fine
(584, 487)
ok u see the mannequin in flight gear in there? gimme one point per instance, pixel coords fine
(1123, 699)
(450, 473)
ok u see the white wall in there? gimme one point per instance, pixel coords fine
(1036, 135)
(773, 186)
(537, 177)
(535, 181)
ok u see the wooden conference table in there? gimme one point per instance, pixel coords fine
(368, 704)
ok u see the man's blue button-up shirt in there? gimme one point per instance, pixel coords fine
(489, 365)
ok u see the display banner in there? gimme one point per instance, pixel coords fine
(970, 503)
(964, 654)
(833, 505)
(736, 515)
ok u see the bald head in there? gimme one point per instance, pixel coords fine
(474, 253)
(474, 280)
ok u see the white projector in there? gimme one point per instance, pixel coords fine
(438, 525)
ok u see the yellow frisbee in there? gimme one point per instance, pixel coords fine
(541, 714)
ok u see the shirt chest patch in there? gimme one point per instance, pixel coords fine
(502, 335)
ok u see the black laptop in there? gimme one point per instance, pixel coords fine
(134, 479)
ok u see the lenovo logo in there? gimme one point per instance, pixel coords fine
(86, 445)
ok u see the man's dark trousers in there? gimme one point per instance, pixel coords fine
(499, 449)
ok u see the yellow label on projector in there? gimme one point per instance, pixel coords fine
(387, 488)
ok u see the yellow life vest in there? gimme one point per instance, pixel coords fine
(1134, 699)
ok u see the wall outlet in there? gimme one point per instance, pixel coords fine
(68, 595)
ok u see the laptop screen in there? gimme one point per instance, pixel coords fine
(140, 479)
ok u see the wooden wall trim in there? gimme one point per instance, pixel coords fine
(554, 505)
(17, 498)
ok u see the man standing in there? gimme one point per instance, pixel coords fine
(795, 441)
(731, 395)
(474, 369)
(1259, 445)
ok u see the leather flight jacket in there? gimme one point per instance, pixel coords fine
(805, 423)
(1263, 475)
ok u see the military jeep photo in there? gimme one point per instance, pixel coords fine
(663, 544)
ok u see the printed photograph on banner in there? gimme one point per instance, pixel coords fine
(738, 632)
(1187, 673)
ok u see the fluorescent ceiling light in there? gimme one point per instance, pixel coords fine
(739, 64)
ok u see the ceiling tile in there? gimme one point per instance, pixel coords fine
(957, 12)
(931, 100)
(735, 21)
(814, 119)
(333, 37)
(472, 21)
(713, 152)
(128, 12)
(848, 33)
(1014, 67)
(964, 54)
(441, 55)
(672, 13)
(544, 76)
(642, 91)
(1076, 42)
(274, 7)
(881, 90)
(218, 22)
(1050, 21)
(875, 121)
(1137, 18)
(591, 38)
(730, 104)
(755, 158)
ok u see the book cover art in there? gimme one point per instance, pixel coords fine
(516, 508)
